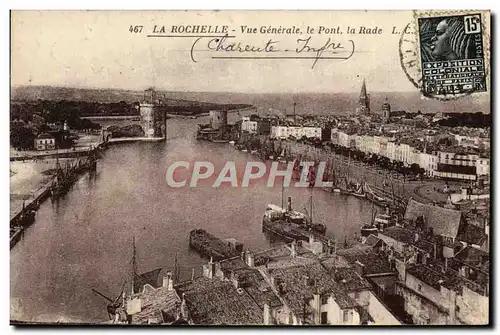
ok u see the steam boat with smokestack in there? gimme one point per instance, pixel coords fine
(289, 224)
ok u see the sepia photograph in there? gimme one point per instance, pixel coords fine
(242, 168)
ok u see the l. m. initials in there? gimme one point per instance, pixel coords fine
(472, 24)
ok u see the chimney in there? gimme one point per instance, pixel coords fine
(267, 315)
(289, 204)
(311, 237)
(294, 249)
(209, 269)
(218, 271)
(250, 259)
(464, 193)
(487, 233)
(446, 264)
(317, 308)
(381, 227)
(134, 306)
(184, 309)
(235, 280)
(168, 281)
(359, 268)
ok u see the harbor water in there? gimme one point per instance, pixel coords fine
(84, 240)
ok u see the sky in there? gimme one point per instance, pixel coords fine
(97, 50)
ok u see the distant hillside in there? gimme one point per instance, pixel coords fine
(307, 103)
(93, 102)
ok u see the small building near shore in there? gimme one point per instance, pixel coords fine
(45, 141)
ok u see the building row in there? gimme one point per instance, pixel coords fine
(256, 125)
(449, 164)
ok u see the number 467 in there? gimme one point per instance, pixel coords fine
(472, 24)
(135, 29)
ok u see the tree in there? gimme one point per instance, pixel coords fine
(22, 138)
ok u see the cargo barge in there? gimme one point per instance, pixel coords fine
(210, 246)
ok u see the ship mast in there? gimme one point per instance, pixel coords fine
(134, 265)
(311, 207)
(282, 194)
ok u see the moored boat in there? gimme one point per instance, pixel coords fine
(210, 246)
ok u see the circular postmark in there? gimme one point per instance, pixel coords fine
(409, 56)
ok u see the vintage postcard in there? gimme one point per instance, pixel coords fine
(250, 168)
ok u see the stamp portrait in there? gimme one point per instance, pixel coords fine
(452, 54)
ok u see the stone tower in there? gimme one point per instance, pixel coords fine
(153, 118)
(364, 101)
(386, 110)
(218, 119)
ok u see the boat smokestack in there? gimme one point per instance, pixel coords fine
(289, 204)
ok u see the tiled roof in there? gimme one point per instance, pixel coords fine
(153, 301)
(213, 301)
(399, 234)
(299, 283)
(231, 264)
(443, 221)
(425, 245)
(374, 263)
(372, 240)
(427, 275)
(471, 234)
(257, 287)
(473, 256)
(435, 277)
(44, 136)
(350, 280)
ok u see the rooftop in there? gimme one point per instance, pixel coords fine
(214, 301)
(45, 136)
(153, 302)
(443, 221)
(399, 234)
(372, 240)
(473, 256)
(374, 263)
(427, 275)
(297, 284)
(435, 276)
(257, 287)
(350, 280)
(425, 246)
(471, 234)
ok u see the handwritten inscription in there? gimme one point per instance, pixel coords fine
(304, 48)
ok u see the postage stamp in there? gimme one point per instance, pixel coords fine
(452, 54)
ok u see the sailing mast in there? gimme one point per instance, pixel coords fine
(282, 195)
(311, 207)
(176, 268)
(348, 169)
(134, 266)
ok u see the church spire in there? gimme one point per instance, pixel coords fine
(364, 100)
(363, 90)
